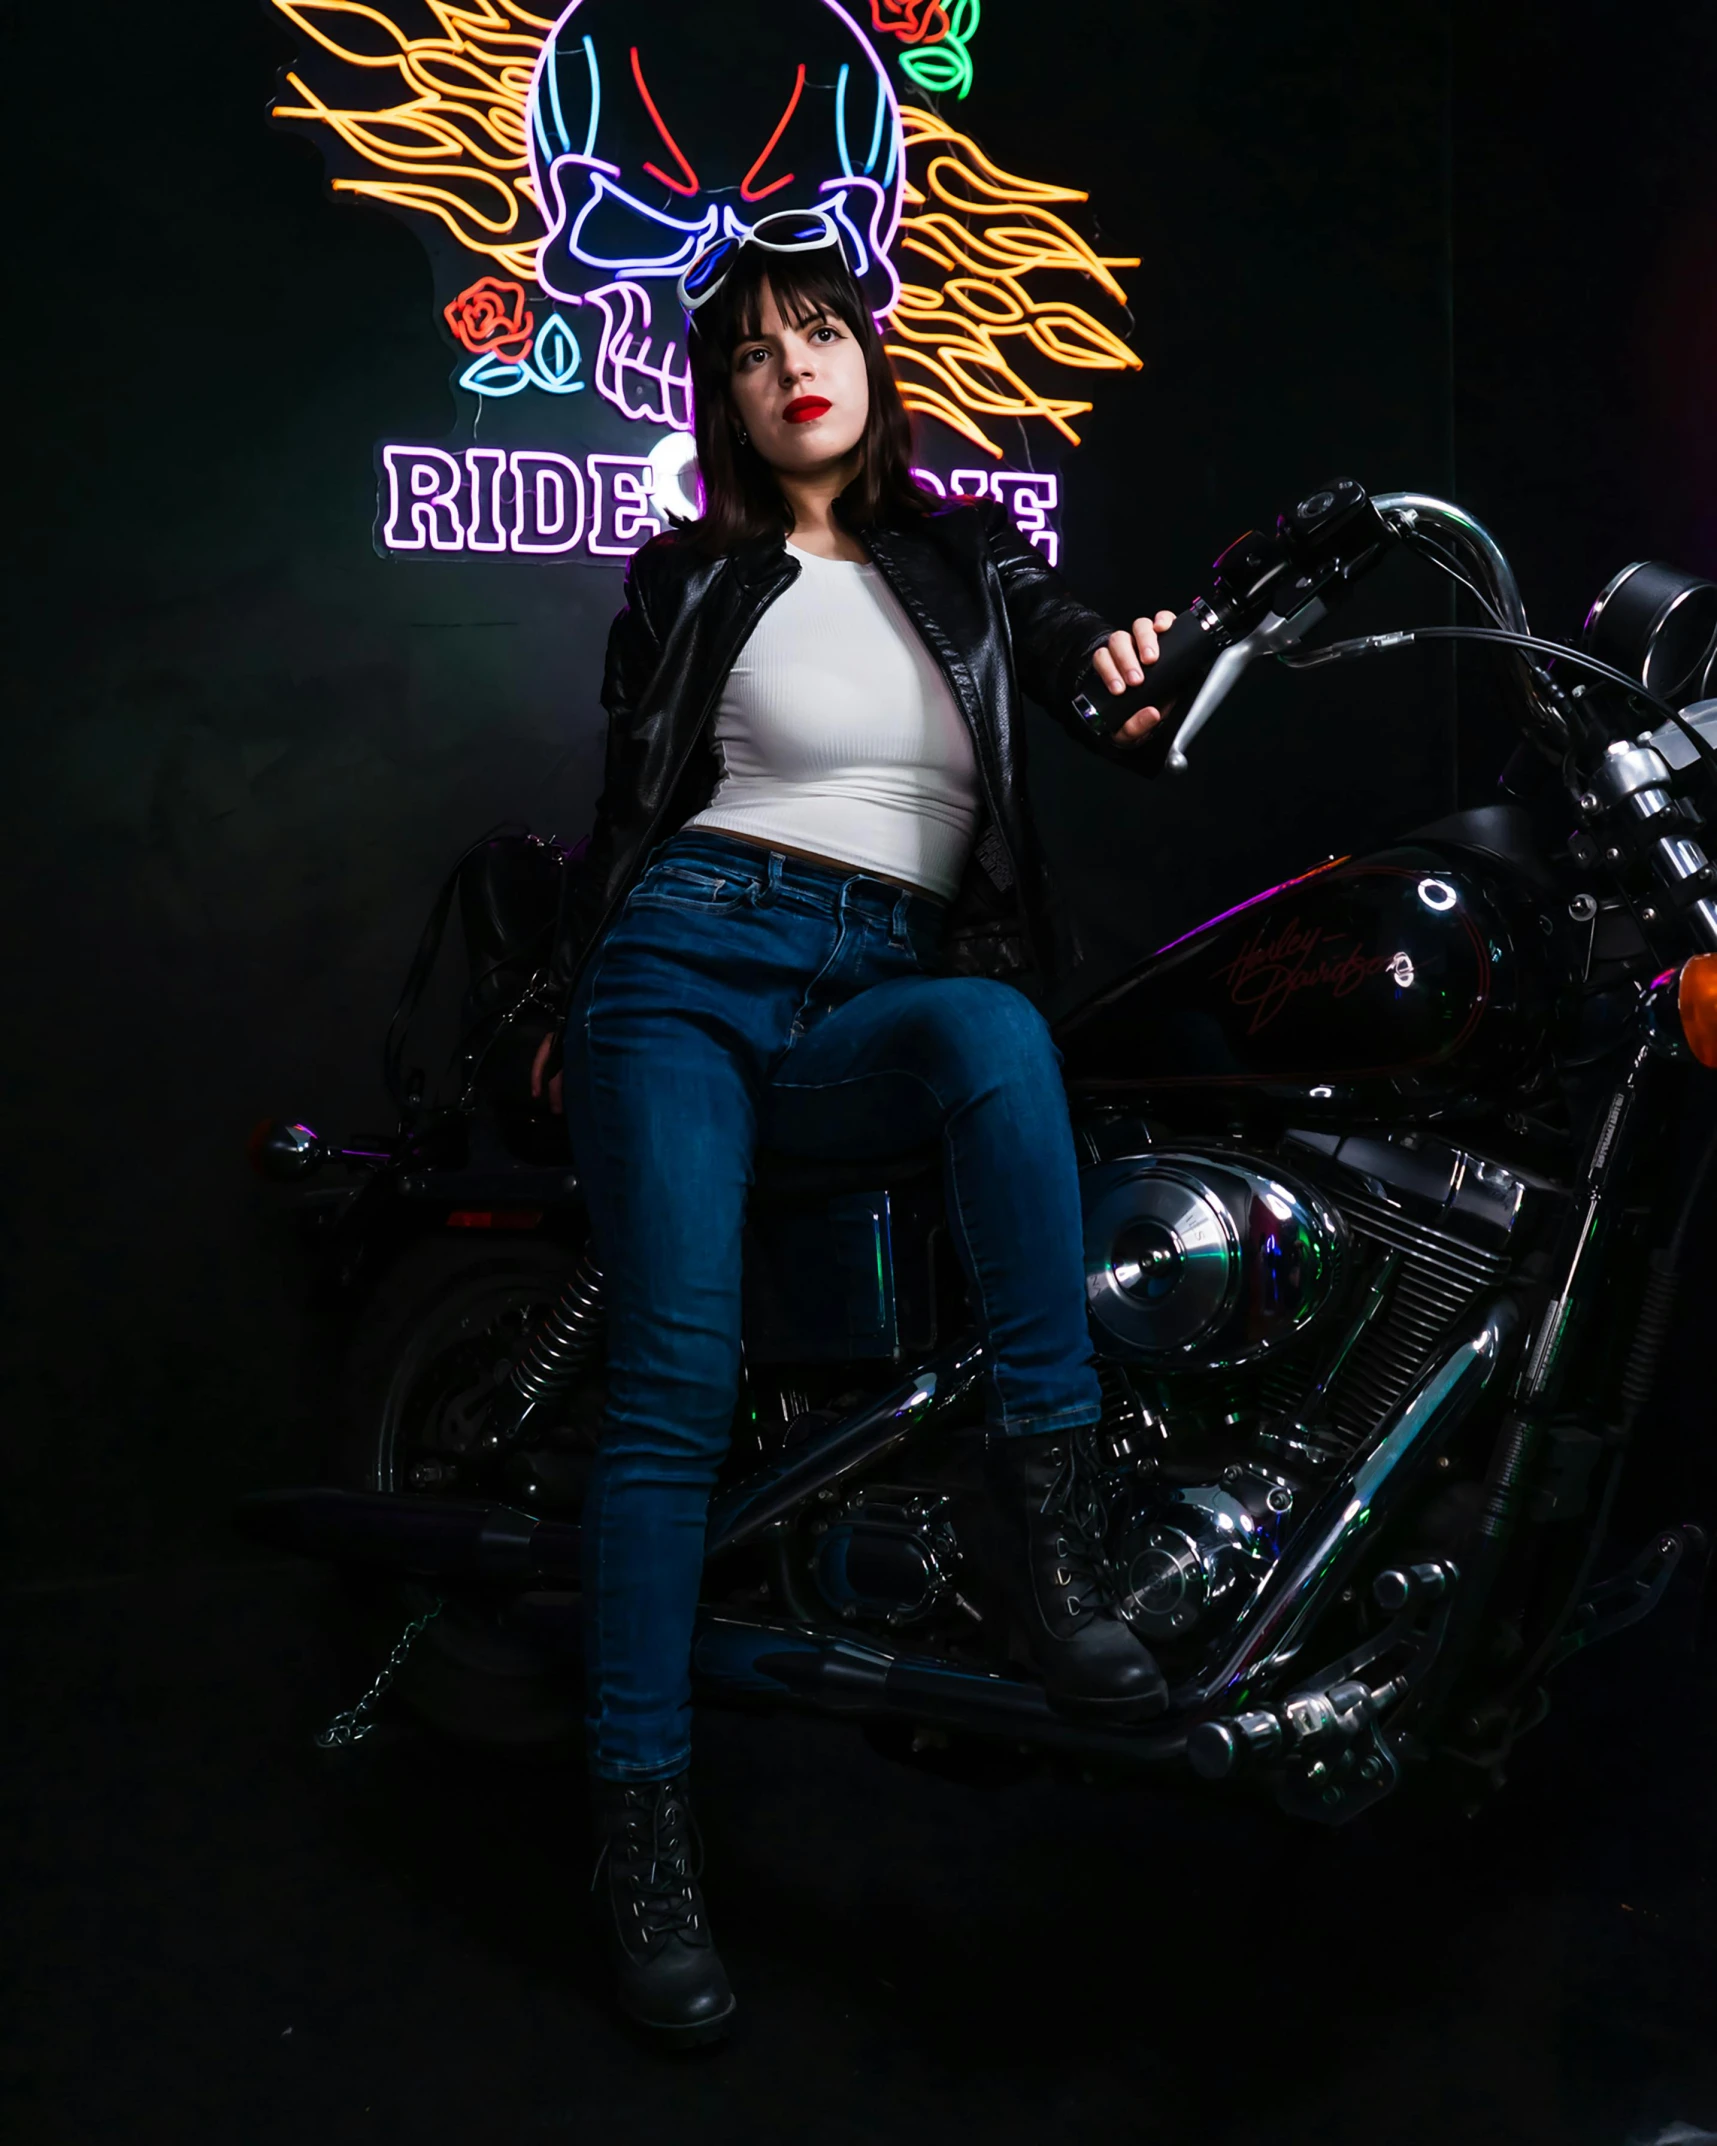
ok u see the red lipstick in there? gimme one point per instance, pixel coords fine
(801, 411)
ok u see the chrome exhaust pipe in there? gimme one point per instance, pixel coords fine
(450, 1539)
(742, 1513)
(832, 1673)
(1323, 1551)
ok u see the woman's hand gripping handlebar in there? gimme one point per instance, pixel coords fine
(1134, 704)
(1129, 665)
(1269, 588)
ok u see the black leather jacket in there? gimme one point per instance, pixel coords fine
(991, 610)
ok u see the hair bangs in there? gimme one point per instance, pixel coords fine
(806, 287)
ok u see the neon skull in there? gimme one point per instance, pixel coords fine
(639, 161)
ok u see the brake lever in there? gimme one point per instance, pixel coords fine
(1272, 636)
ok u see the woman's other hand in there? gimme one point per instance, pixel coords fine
(1123, 663)
(537, 1065)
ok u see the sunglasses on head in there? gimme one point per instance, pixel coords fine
(788, 231)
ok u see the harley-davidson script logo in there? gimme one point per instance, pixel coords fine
(1281, 961)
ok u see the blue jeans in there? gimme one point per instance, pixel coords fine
(743, 997)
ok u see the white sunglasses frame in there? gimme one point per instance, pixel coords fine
(831, 237)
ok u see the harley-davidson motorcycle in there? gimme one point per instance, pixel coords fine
(1382, 1224)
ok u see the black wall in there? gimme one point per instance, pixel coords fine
(1461, 249)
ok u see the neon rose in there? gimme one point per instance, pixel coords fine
(914, 22)
(491, 316)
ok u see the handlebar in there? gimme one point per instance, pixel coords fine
(1268, 589)
(1186, 655)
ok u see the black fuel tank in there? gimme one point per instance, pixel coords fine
(1397, 982)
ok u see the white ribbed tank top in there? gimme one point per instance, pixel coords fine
(838, 734)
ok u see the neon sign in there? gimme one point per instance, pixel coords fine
(564, 163)
(539, 502)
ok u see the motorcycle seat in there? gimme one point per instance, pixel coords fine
(818, 1177)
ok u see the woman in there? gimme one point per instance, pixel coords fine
(811, 865)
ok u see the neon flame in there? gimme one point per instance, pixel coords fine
(989, 231)
(456, 142)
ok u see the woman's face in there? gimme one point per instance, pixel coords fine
(801, 393)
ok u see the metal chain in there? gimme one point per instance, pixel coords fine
(352, 1726)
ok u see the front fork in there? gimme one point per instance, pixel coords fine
(1581, 1271)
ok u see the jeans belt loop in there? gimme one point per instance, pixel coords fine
(899, 931)
(765, 895)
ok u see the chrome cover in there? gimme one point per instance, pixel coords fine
(1627, 770)
(1200, 1260)
(889, 1554)
(1200, 1554)
(1673, 743)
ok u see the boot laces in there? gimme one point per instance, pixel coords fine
(1076, 1507)
(656, 1852)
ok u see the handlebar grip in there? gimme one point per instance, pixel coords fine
(1185, 655)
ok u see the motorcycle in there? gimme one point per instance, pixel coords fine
(1381, 1227)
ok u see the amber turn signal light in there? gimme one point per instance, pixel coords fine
(1696, 1002)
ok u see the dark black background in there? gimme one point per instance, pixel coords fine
(1448, 246)
(1459, 249)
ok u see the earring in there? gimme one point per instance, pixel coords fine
(744, 436)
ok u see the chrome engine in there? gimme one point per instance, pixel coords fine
(1198, 1261)
(1203, 1553)
(1270, 1313)
(1257, 1318)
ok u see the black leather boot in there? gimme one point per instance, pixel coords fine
(669, 1975)
(1045, 1537)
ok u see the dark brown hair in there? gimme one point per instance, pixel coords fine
(740, 495)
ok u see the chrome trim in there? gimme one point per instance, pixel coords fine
(865, 1435)
(1627, 769)
(1472, 543)
(1321, 1551)
(1676, 747)
(1646, 631)
(1601, 602)
(1679, 858)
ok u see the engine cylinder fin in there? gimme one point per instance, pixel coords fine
(1283, 1387)
(1438, 1278)
(1441, 1252)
